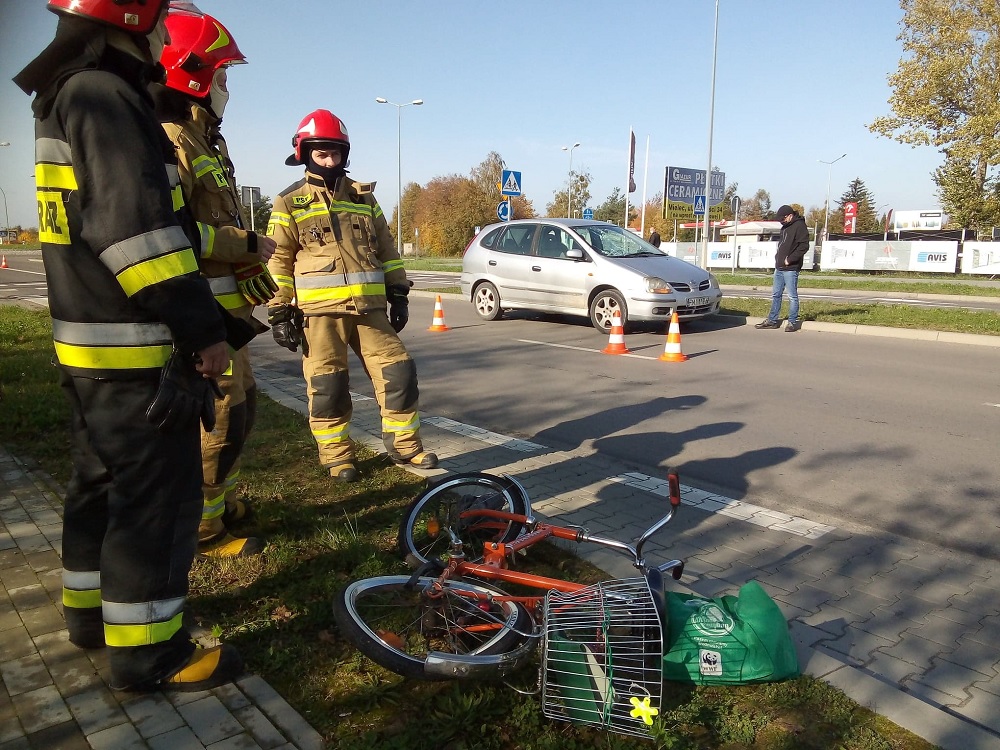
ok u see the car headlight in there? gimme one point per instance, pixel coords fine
(656, 285)
(713, 283)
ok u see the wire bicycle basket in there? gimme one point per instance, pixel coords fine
(602, 653)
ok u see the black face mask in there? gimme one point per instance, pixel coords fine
(330, 175)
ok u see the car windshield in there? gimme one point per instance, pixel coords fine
(615, 242)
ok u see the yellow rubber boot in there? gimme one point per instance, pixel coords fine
(207, 668)
(215, 541)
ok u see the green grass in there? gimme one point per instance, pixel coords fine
(893, 316)
(432, 264)
(915, 283)
(276, 607)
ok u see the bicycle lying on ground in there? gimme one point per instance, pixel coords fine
(602, 644)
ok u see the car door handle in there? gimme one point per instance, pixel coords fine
(491, 263)
(536, 268)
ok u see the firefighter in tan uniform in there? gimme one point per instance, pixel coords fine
(336, 266)
(233, 259)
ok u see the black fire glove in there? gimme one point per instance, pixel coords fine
(399, 306)
(184, 396)
(286, 323)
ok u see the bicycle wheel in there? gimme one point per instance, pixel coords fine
(397, 625)
(453, 503)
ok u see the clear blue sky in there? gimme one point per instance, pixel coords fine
(796, 83)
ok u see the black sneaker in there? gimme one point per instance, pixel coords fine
(768, 324)
(793, 327)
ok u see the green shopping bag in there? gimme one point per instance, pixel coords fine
(728, 640)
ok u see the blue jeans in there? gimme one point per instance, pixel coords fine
(785, 280)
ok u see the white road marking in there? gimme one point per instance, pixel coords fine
(706, 501)
(581, 348)
(478, 433)
(712, 503)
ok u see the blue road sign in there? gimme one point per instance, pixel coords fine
(699, 205)
(510, 182)
(503, 210)
(588, 213)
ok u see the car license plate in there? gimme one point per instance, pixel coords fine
(697, 301)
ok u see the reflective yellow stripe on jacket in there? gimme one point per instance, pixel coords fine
(227, 291)
(339, 286)
(111, 346)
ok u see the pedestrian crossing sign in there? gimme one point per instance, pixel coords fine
(699, 205)
(511, 182)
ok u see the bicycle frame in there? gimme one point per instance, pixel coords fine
(495, 567)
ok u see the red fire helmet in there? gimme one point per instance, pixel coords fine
(321, 125)
(199, 45)
(133, 16)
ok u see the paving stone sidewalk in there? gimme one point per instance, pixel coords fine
(55, 696)
(905, 629)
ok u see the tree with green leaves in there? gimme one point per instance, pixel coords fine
(868, 220)
(581, 195)
(946, 94)
(447, 209)
(261, 211)
(967, 203)
(757, 207)
(613, 208)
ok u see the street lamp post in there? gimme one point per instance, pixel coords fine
(569, 196)
(399, 166)
(826, 212)
(6, 216)
(711, 126)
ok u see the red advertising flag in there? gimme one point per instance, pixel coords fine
(850, 217)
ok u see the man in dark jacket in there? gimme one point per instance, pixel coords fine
(792, 248)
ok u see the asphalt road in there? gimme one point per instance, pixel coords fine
(886, 434)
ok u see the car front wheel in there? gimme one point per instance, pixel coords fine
(604, 307)
(487, 302)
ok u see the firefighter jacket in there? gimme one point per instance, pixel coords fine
(123, 281)
(206, 178)
(334, 253)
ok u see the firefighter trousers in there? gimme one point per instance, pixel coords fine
(221, 448)
(129, 526)
(387, 363)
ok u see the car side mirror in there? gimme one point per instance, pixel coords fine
(574, 253)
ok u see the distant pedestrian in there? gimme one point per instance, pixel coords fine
(793, 245)
(654, 238)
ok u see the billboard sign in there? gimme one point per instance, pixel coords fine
(904, 221)
(850, 217)
(682, 185)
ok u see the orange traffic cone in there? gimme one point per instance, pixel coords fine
(438, 323)
(3, 264)
(672, 351)
(616, 342)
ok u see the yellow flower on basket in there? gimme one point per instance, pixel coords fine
(643, 709)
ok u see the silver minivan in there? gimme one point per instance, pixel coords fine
(582, 267)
